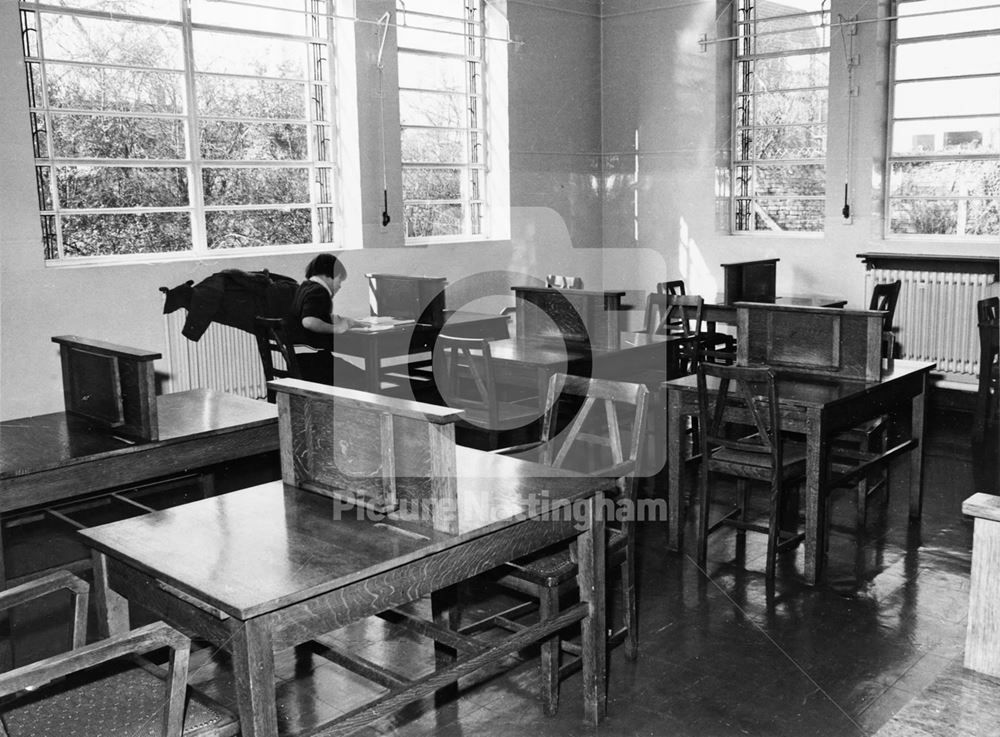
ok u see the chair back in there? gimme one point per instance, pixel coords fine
(272, 338)
(678, 315)
(988, 312)
(606, 432)
(674, 287)
(884, 299)
(742, 413)
(465, 377)
(558, 281)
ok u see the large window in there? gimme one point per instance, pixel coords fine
(781, 73)
(181, 126)
(442, 113)
(944, 138)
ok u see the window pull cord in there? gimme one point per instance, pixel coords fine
(381, 117)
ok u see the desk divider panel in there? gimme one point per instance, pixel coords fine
(812, 340)
(112, 385)
(749, 281)
(369, 450)
(578, 316)
(418, 298)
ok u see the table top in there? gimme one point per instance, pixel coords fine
(458, 319)
(262, 548)
(43, 442)
(812, 390)
(546, 351)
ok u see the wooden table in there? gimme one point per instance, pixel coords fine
(376, 344)
(534, 361)
(262, 569)
(818, 407)
(55, 457)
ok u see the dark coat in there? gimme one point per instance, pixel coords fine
(230, 297)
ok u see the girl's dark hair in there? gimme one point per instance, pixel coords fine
(326, 264)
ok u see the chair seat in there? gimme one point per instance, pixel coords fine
(754, 465)
(125, 700)
(558, 565)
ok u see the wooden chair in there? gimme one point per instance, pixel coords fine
(84, 692)
(678, 316)
(465, 379)
(604, 438)
(714, 347)
(872, 437)
(988, 312)
(558, 281)
(272, 338)
(741, 437)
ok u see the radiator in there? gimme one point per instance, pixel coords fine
(936, 317)
(225, 359)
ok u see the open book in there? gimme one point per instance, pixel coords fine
(381, 322)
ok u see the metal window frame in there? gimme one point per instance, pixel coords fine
(888, 199)
(318, 122)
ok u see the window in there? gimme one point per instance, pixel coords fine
(180, 126)
(781, 73)
(443, 117)
(944, 137)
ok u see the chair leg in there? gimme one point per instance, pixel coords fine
(704, 503)
(743, 497)
(628, 601)
(548, 604)
(774, 529)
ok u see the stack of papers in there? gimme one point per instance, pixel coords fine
(381, 322)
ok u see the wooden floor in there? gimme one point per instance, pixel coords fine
(960, 703)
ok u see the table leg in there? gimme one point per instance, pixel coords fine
(675, 470)
(373, 367)
(6, 645)
(111, 607)
(253, 669)
(591, 581)
(817, 457)
(916, 464)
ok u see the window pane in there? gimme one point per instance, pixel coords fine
(227, 53)
(432, 184)
(951, 57)
(945, 178)
(164, 9)
(792, 179)
(112, 137)
(789, 215)
(422, 145)
(254, 228)
(932, 217)
(790, 72)
(431, 72)
(951, 96)
(251, 98)
(983, 218)
(416, 32)
(954, 22)
(423, 108)
(234, 15)
(237, 141)
(806, 142)
(425, 221)
(121, 90)
(246, 186)
(808, 106)
(91, 187)
(116, 234)
(954, 135)
(111, 42)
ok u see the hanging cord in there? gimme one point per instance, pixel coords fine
(381, 117)
(847, 28)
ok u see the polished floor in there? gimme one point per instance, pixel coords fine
(720, 653)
